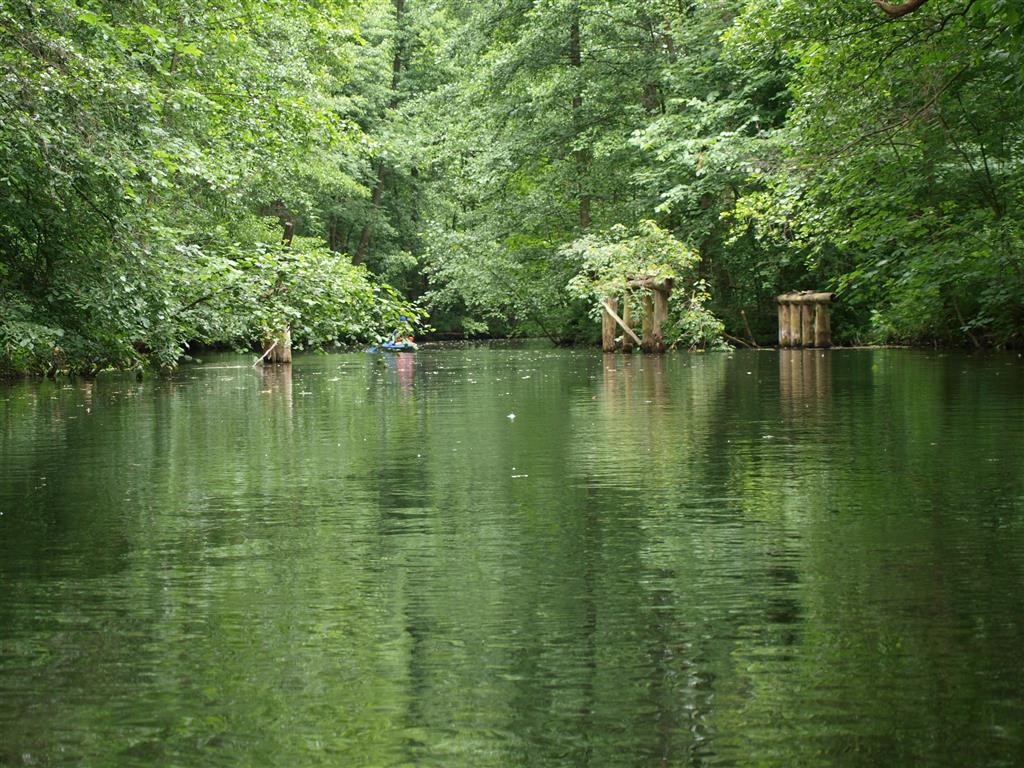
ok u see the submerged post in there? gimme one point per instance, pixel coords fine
(278, 342)
(795, 324)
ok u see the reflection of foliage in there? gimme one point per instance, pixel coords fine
(735, 577)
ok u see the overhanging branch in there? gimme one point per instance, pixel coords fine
(894, 11)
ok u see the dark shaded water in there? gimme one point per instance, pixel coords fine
(796, 559)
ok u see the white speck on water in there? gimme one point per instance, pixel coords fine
(511, 417)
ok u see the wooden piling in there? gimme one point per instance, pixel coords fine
(661, 294)
(804, 319)
(627, 319)
(795, 325)
(807, 323)
(278, 348)
(822, 325)
(608, 325)
(648, 323)
(654, 296)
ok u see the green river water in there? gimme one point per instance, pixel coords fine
(755, 558)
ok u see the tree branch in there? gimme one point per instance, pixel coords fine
(885, 129)
(895, 11)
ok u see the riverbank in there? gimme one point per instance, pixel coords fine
(429, 341)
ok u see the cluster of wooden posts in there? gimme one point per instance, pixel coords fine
(804, 320)
(654, 297)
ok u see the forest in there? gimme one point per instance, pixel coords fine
(182, 174)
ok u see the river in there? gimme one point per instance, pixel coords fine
(517, 556)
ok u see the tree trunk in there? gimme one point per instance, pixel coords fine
(332, 233)
(364, 237)
(582, 155)
(378, 189)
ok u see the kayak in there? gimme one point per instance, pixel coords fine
(394, 347)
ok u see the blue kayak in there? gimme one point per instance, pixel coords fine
(394, 347)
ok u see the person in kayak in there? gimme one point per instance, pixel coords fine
(397, 339)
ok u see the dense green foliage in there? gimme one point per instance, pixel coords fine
(902, 180)
(140, 143)
(457, 150)
(790, 145)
